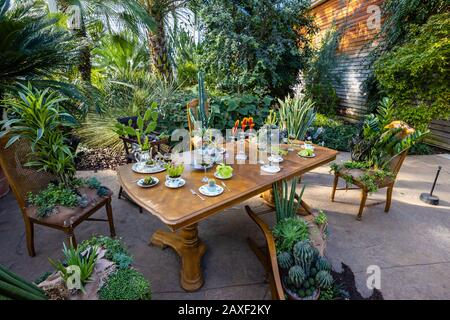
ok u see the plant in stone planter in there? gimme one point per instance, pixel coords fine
(105, 272)
(84, 261)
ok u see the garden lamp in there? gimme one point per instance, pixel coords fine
(428, 197)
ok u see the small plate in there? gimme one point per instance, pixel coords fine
(141, 184)
(204, 190)
(276, 159)
(270, 169)
(139, 168)
(220, 177)
(311, 156)
(181, 183)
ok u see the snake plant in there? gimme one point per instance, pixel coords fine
(285, 204)
(296, 115)
(14, 287)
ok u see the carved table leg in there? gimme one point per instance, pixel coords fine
(190, 249)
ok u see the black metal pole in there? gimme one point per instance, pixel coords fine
(435, 180)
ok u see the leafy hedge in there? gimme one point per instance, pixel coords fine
(415, 75)
(224, 109)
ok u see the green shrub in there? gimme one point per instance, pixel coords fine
(415, 74)
(253, 46)
(126, 284)
(337, 137)
(421, 149)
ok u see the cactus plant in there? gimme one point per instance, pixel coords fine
(202, 101)
(322, 264)
(296, 276)
(324, 279)
(285, 260)
(304, 255)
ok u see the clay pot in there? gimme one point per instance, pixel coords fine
(4, 186)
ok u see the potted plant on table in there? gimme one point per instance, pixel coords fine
(144, 126)
(174, 173)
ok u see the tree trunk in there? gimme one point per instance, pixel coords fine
(159, 55)
(85, 66)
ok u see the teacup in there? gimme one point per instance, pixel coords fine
(173, 181)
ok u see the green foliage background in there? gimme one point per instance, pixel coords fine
(416, 75)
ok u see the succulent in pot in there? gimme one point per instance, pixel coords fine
(174, 172)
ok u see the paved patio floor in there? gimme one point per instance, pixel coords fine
(411, 244)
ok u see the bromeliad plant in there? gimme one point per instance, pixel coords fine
(379, 142)
(296, 115)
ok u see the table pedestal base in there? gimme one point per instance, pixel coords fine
(190, 249)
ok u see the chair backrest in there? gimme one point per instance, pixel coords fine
(396, 163)
(193, 108)
(21, 178)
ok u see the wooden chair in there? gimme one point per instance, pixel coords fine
(192, 107)
(395, 165)
(24, 180)
(268, 256)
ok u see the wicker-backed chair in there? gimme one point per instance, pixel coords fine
(24, 180)
(394, 166)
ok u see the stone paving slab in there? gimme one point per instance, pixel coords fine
(411, 244)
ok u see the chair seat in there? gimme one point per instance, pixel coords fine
(357, 174)
(70, 216)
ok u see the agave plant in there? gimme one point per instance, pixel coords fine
(296, 115)
(85, 261)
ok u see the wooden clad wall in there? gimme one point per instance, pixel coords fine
(355, 19)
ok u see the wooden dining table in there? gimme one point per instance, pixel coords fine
(181, 210)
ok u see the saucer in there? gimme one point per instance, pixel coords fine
(181, 183)
(141, 184)
(276, 159)
(270, 169)
(206, 191)
(216, 175)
